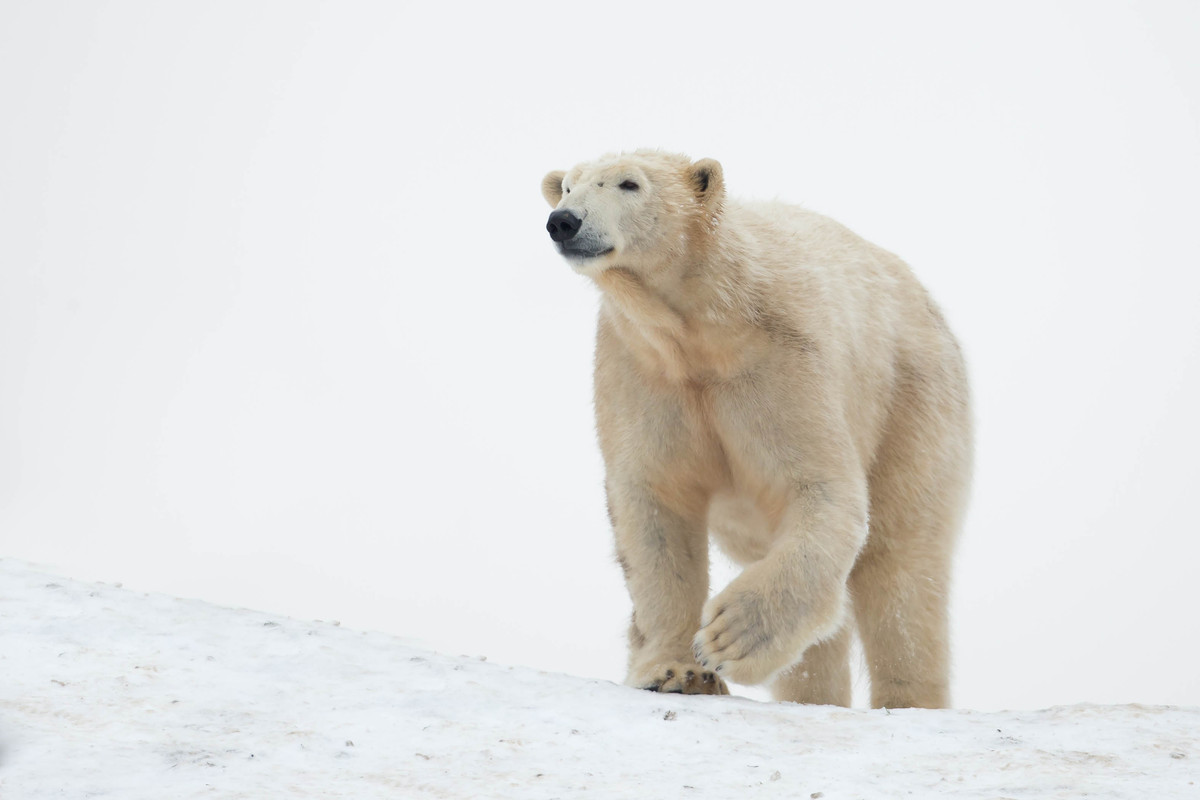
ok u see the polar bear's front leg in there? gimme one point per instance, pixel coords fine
(664, 556)
(793, 597)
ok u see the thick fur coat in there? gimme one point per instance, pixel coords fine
(767, 377)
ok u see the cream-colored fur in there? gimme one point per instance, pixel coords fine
(764, 375)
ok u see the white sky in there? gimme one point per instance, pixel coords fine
(280, 325)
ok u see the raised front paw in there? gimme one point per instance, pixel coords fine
(679, 678)
(740, 637)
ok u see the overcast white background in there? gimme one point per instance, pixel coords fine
(281, 327)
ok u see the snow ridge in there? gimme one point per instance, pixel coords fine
(109, 692)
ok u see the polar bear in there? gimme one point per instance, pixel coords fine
(767, 377)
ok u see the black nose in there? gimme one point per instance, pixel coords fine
(563, 225)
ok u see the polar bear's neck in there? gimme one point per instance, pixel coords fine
(691, 329)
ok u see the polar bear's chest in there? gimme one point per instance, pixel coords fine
(745, 486)
(739, 527)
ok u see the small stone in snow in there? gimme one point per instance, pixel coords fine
(776, 775)
(817, 795)
(669, 715)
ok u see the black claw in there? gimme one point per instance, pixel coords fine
(670, 673)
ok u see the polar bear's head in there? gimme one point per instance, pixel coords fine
(636, 210)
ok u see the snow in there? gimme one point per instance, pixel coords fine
(106, 692)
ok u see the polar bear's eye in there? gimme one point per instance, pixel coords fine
(629, 186)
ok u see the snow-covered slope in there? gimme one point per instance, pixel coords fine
(108, 692)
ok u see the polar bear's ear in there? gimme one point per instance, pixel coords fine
(552, 187)
(709, 180)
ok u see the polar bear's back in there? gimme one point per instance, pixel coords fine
(860, 305)
(812, 265)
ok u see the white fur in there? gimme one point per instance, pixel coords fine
(764, 374)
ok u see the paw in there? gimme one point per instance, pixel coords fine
(678, 677)
(738, 638)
